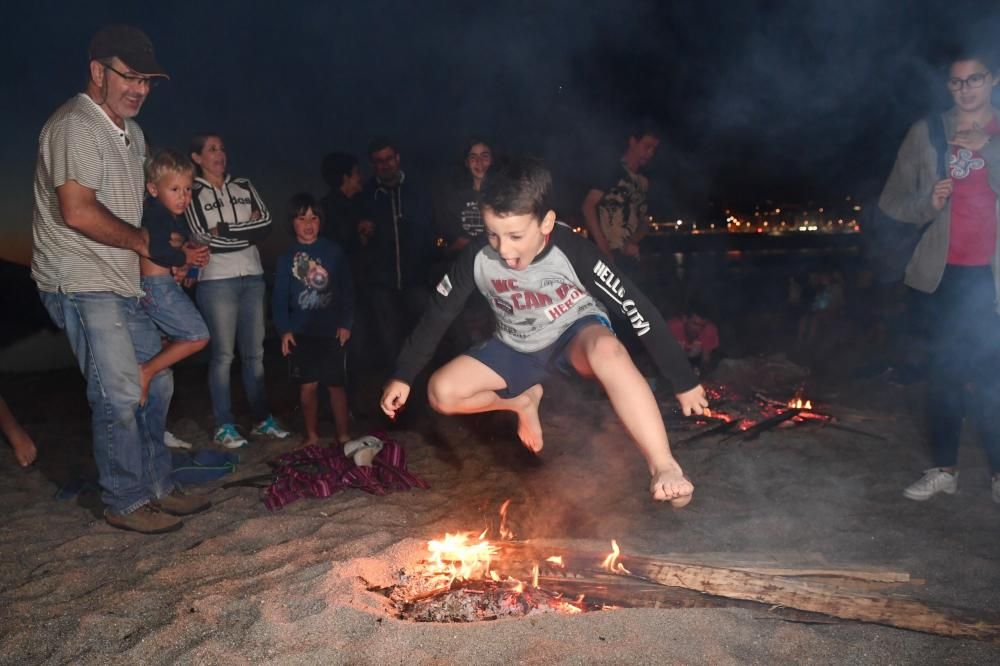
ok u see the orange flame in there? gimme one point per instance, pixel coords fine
(798, 403)
(534, 576)
(460, 555)
(611, 562)
(556, 560)
(505, 533)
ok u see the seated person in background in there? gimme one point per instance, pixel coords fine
(697, 336)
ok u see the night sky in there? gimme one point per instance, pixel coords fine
(788, 101)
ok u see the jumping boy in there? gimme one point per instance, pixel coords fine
(169, 177)
(550, 291)
(313, 309)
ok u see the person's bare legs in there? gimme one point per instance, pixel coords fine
(341, 415)
(468, 386)
(24, 448)
(310, 412)
(596, 352)
(172, 352)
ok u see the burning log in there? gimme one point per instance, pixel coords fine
(722, 427)
(816, 595)
(755, 431)
(627, 592)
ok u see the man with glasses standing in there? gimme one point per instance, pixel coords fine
(957, 262)
(397, 246)
(88, 198)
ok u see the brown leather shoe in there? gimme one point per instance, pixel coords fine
(147, 519)
(178, 503)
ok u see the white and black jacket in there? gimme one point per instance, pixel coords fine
(235, 211)
(568, 280)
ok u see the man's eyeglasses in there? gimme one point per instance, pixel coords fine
(973, 81)
(132, 80)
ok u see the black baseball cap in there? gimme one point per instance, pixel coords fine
(130, 44)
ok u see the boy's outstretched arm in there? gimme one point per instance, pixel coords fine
(446, 302)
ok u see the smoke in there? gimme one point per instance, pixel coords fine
(756, 99)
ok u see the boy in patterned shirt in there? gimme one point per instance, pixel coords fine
(313, 310)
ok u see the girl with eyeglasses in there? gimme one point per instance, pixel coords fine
(957, 262)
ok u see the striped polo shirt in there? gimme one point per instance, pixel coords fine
(81, 143)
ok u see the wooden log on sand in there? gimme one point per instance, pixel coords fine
(828, 598)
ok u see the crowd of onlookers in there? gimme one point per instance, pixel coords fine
(124, 233)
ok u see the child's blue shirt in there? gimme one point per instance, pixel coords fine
(313, 292)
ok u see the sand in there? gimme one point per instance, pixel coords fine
(239, 584)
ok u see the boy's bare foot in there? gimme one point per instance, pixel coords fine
(24, 449)
(672, 485)
(529, 427)
(145, 378)
(311, 441)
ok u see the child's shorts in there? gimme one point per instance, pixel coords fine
(171, 309)
(522, 370)
(316, 359)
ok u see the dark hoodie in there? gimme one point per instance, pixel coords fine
(401, 249)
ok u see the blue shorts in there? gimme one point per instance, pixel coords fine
(522, 370)
(171, 310)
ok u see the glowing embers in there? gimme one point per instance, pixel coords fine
(464, 578)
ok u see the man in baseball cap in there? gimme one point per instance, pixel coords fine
(128, 44)
(89, 188)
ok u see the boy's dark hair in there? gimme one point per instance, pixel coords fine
(522, 186)
(166, 160)
(644, 128)
(474, 140)
(381, 143)
(300, 203)
(981, 54)
(335, 167)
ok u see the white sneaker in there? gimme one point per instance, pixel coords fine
(935, 480)
(996, 489)
(173, 442)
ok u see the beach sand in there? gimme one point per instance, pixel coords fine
(239, 584)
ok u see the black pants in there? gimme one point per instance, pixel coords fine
(965, 350)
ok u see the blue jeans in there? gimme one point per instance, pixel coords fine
(233, 308)
(171, 310)
(110, 335)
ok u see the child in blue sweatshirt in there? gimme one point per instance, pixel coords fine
(313, 309)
